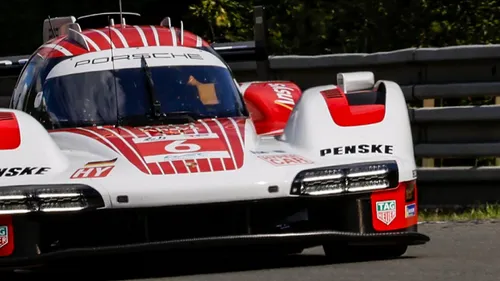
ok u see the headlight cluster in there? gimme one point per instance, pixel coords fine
(345, 179)
(57, 198)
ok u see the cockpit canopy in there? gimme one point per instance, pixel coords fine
(106, 87)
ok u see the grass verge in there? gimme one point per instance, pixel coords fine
(486, 212)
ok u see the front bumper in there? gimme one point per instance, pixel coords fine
(296, 222)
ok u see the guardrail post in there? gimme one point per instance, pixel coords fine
(261, 43)
(428, 162)
(497, 160)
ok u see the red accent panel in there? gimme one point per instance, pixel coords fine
(400, 221)
(9, 129)
(347, 115)
(6, 236)
(271, 103)
(255, 113)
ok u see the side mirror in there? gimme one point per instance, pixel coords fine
(38, 100)
(355, 81)
(22, 62)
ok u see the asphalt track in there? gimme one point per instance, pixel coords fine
(467, 251)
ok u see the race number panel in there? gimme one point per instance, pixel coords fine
(157, 149)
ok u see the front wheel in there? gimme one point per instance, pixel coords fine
(358, 253)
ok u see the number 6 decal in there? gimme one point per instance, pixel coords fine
(179, 146)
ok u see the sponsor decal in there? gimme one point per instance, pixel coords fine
(358, 149)
(109, 59)
(190, 156)
(284, 95)
(410, 210)
(23, 171)
(414, 173)
(181, 147)
(97, 169)
(164, 130)
(260, 152)
(179, 136)
(285, 159)
(272, 133)
(4, 235)
(386, 211)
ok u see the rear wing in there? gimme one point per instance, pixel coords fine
(256, 50)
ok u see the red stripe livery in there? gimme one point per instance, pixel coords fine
(205, 146)
(121, 37)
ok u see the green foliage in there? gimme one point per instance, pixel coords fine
(321, 26)
(228, 20)
(481, 212)
(295, 26)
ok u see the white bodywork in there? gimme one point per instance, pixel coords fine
(355, 81)
(309, 130)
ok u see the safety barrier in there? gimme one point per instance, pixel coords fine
(430, 78)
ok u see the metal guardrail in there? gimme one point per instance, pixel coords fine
(425, 74)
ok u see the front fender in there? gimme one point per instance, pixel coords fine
(270, 104)
(333, 129)
(26, 148)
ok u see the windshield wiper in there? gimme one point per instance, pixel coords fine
(150, 86)
(190, 115)
(175, 117)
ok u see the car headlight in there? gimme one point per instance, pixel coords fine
(48, 198)
(346, 179)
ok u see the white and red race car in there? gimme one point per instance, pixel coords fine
(138, 138)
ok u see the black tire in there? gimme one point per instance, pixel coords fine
(342, 253)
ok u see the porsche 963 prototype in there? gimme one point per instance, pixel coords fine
(138, 138)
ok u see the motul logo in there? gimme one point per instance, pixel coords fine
(358, 149)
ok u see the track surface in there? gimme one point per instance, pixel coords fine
(457, 251)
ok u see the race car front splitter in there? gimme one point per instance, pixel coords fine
(308, 239)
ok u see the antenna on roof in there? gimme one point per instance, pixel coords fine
(182, 33)
(166, 22)
(121, 12)
(52, 30)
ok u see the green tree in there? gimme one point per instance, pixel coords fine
(321, 26)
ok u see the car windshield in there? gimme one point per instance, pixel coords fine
(104, 97)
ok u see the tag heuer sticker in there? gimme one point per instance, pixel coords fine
(386, 211)
(4, 236)
(410, 210)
